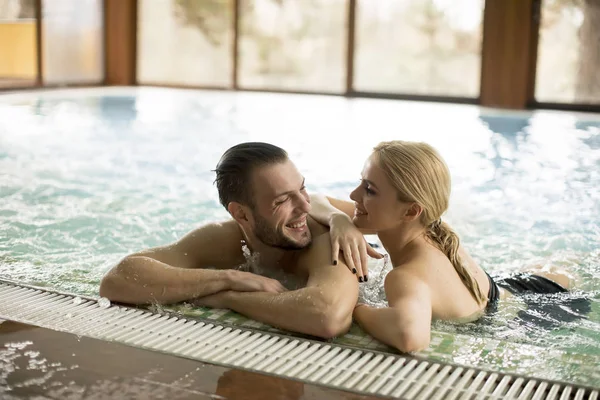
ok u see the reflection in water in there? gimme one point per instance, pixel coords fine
(506, 144)
(239, 384)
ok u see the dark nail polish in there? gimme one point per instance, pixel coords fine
(334, 262)
(354, 270)
(360, 278)
(366, 278)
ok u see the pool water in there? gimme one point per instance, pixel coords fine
(90, 175)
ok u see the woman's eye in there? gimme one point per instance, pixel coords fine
(369, 191)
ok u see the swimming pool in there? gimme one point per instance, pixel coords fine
(87, 176)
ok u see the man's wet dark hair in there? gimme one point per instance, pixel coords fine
(234, 170)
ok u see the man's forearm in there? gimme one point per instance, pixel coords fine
(143, 280)
(305, 311)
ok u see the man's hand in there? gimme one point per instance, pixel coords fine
(241, 281)
(217, 300)
(347, 238)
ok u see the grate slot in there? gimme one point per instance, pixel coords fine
(424, 381)
(228, 356)
(351, 366)
(288, 353)
(401, 385)
(357, 373)
(300, 356)
(540, 392)
(515, 388)
(436, 382)
(330, 365)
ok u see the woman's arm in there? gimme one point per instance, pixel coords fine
(345, 237)
(406, 323)
(324, 208)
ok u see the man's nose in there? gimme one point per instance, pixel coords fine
(304, 204)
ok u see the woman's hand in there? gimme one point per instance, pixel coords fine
(346, 237)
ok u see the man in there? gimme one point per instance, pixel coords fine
(265, 195)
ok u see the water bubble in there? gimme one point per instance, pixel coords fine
(77, 300)
(104, 302)
(156, 308)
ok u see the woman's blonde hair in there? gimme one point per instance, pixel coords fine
(420, 175)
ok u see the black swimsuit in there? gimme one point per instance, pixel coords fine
(542, 313)
(522, 284)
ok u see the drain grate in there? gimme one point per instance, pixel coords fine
(320, 363)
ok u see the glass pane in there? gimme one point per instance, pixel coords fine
(18, 43)
(73, 47)
(423, 47)
(293, 45)
(185, 42)
(568, 66)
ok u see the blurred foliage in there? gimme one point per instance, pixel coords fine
(27, 9)
(212, 17)
(587, 82)
(554, 8)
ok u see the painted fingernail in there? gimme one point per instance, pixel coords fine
(360, 278)
(353, 270)
(366, 278)
(334, 262)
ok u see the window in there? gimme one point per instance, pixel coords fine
(568, 65)
(18, 43)
(185, 42)
(293, 45)
(72, 42)
(422, 47)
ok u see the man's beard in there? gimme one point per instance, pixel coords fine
(276, 238)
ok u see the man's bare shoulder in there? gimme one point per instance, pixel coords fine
(317, 255)
(215, 243)
(228, 229)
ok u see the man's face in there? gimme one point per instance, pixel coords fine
(281, 207)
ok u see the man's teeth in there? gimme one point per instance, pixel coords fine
(297, 224)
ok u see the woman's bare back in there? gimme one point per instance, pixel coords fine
(450, 298)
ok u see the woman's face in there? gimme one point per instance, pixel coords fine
(376, 201)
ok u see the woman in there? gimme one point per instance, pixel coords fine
(404, 190)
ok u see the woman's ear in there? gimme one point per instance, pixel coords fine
(413, 212)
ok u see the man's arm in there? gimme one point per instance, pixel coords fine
(174, 273)
(323, 308)
(406, 323)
